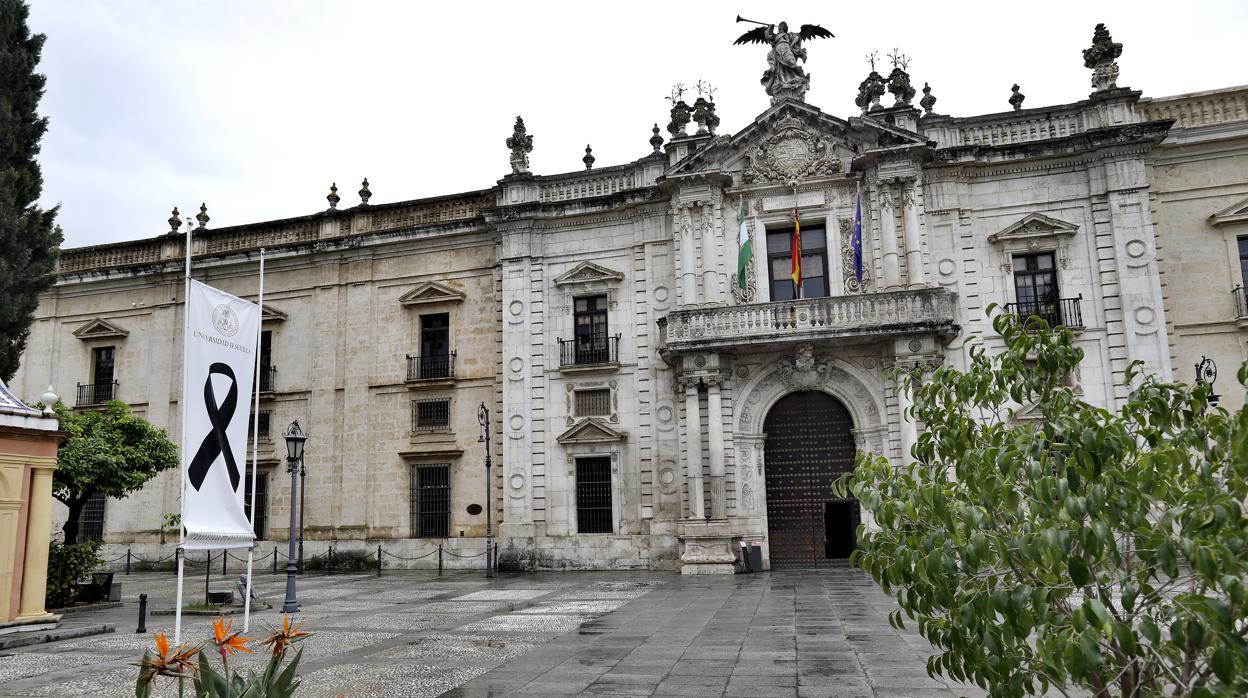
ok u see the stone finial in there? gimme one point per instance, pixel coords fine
(680, 118)
(202, 216)
(49, 398)
(1016, 98)
(701, 114)
(928, 100)
(175, 221)
(589, 157)
(521, 144)
(869, 92)
(1101, 57)
(656, 141)
(333, 197)
(364, 193)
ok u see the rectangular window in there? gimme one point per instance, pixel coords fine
(593, 403)
(266, 361)
(1035, 287)
(263, 426)
(590, 343)
(593, 495)
(91, 520)
(1243, 260)
(430, 501)
(435, 346)
(431, 415)
(100, 389)
(262, 503)
(814, 262)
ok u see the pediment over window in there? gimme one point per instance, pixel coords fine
(271, 314)
(591, 431)
(99, 328)
(431, 292)
(587, 273)
(1034, 227)
(1235, 213)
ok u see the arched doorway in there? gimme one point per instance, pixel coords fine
(809, 445)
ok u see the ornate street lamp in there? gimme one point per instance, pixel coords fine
(294, 459)
(483, 417)
(1207, 373)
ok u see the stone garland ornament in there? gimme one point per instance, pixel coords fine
(792, 151)
(852, 284)
(521, 144)
(1101, 57)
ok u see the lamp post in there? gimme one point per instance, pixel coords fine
(303, 490)
(294, 458)
(483, 417)
(1207, 373)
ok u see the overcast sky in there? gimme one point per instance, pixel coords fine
(256, 107)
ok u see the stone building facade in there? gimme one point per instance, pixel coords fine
(650, 410)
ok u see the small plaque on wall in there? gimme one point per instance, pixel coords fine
(474, 509)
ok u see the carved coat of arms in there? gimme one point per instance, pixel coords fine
(791, 152)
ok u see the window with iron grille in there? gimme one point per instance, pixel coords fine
(430, 501)
(91, 519)
(263, 426)
(262, 502)
(593, 495)
(431, 415)
(593, 403)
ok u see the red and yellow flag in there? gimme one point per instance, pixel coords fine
(797, 254)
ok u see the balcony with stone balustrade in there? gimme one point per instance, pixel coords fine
(857, 319)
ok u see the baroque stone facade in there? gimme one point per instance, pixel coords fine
(638, 392)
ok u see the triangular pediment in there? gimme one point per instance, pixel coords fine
(591, 431)
(271, 314)
(99, 328)
(431, 292)
(792, 141)
(588, 272)
(1034, 226)
(1235, 213)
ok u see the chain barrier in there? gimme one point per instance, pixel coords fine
(418, 557)
(452, 552)
(331, 559)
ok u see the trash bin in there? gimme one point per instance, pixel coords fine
(756, 557)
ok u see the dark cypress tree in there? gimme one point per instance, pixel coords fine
(28, 242)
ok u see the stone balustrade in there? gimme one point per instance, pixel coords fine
(1008, 128)
(914, 311)
(587, 187)
(1199, 108)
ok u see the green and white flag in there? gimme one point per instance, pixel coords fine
(746, 252)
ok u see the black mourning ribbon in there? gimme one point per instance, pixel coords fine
(217, 441)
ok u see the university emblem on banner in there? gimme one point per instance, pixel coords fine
(225, 320)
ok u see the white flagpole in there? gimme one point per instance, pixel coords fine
(255, 446)
(186, 331)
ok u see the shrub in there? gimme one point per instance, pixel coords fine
(68, 565)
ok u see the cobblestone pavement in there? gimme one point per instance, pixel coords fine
(821, 633)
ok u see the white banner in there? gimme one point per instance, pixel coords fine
(223, 333)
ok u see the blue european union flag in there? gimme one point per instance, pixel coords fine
(855, 241)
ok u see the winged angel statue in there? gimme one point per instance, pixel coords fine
(784, 77)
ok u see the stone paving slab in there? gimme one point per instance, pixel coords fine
(816, 634)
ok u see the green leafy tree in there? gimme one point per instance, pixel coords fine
(1041, 543)
(110, 452)
(28, 241)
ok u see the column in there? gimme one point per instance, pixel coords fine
(688, 265)
(715, 429)
(693, 448)
(710, 284)
(909, 430)
(38, 522)
(914, 241)
(888, 238)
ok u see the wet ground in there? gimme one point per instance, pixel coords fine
(809, 633)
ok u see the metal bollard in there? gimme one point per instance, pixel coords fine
(494, 560)
(177, 557)
(439, 559)
(142, 614)
(127, 562)
(379, 561)
(225, 554)
(329, 560)
(275, 559)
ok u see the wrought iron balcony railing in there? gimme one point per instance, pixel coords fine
(430, 366)
(1064, 312)
(589, 350)
(1241, 302)
(96, 393)
(268, 379)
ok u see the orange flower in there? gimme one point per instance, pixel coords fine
(179, 664)
(226, 641)
(286, 636)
